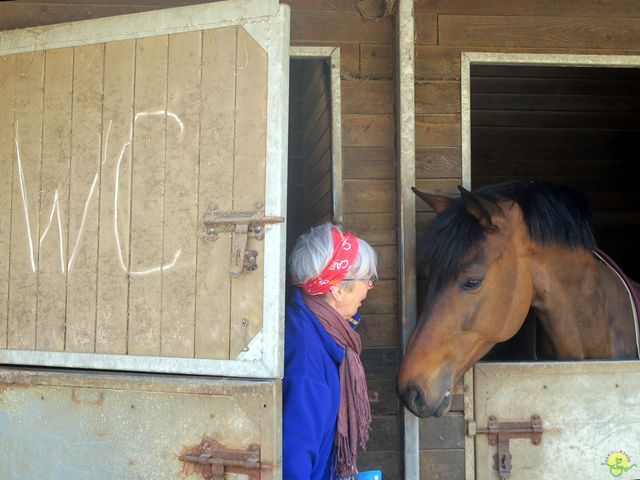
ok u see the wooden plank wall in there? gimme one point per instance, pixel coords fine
(444, 29)
(367, 88)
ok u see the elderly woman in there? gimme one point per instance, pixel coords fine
(325, 405)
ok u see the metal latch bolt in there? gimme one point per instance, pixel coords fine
(499, 433)
(213, 461)
(241, 225)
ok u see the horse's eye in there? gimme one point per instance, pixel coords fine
(470, 284)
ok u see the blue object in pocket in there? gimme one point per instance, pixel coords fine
(370, 475)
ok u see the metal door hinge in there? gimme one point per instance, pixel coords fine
(241, 225)
(499, 433)
(213, 461)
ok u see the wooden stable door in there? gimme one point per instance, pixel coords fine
(142, 198)
(121, 151)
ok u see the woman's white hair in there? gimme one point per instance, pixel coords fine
(314, 250)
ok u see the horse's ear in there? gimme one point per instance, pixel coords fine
(488, 213)
(438, 202)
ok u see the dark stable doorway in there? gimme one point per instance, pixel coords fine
(573, 125)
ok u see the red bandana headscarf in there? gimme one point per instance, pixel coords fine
(345, 249)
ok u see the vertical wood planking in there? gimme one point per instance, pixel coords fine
(115, 198)
(249, 183)
(181, 195)
(21, 332)
(84, 197)
(147, 203)
(54, 200)
(7, 163)
(217, 130)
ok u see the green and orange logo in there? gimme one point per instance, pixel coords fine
(618, 463)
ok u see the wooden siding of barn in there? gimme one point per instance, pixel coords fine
(369, 168)
(444, 29)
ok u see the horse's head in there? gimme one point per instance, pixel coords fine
(474, 291)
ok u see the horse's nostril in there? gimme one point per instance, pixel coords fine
(414, 399)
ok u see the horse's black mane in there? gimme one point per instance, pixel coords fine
(553, 213)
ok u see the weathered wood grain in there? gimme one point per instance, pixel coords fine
(426, 29)
(181, 222)
(7, 165)
(373, 130)
(446, 432)
(437, 97)
(86, 152)
(375, 228)
(147, 203)
(380, 363)
(377, 61)
(441, 130)
(369, 162)
(367, 96)
(438, 162)
(217, 127)
(382, 299)
(385, 434)
(379, 330)
(338, 27)
(548, 31)
(442, 464)
(369, 196)
(115, 198)
(249, 182)
(25, 211)
(382, 396)
(566, 8)
(54, 200)
(437, 63)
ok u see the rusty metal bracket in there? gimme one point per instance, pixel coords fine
(499, 433)
(213, 461)
(241, 225)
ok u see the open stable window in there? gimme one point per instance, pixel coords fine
(315, 167)
(576, 125)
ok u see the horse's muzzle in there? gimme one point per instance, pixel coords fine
(414, 399)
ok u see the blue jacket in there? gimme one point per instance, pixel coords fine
(311, 394)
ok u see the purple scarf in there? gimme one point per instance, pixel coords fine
(354, 413)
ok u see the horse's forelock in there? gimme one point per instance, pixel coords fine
(445, 246)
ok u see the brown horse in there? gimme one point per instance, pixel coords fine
(489, 258)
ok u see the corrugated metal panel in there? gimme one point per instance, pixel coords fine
(72, 425)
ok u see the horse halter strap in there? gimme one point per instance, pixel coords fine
(608, 261)
(345, 249)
